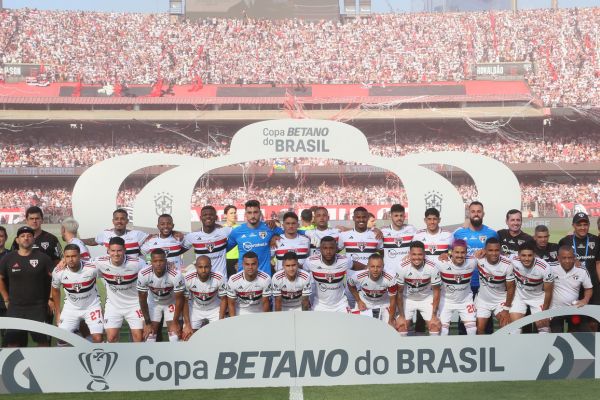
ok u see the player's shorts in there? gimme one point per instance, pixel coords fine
(466, 311)
(291, 308)
(34, 313)
(485, 309)
(92, 315)
(520, 306)
(157, 311)
(424, 306)
(255, 309)
(342, 306)
(197, 316)
(113, 317)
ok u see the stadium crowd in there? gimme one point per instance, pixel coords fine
(144, 48)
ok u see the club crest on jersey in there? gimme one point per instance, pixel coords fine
(77, 287)
(434, 199)
(432, 249)
(45, 245)
(457, 278)
(210, 246)
(361, 246)
(329, 277)
(163, 203)
(34, 263)
(262, 234)
(119, 279)
(398, 242)
(553, 254)
(592, 245)
(482, 238)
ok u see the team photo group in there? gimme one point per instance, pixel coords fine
(416, 281)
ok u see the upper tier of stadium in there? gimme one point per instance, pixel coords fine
(557, 49)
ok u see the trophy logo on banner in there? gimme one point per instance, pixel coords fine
(98, 364)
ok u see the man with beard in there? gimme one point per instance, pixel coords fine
(513, 237)
(396, 239)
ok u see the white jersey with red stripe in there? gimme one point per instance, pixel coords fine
(396, 245)
(299, 245)
(435, 243)
(359, 245)
(83, 250)
(213, 245)
(493, 278)
(206, 296)
(530, 281)
(162, 289)
(248, 295)
(456, 280)
(315, 236)
(418, 282)
(133, 240)
(329, 280)
(375, 294)
(170, 245)
(291, 291)
(80, 286)
(121, 281)
(568, 284)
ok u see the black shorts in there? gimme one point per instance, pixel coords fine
(33, 313)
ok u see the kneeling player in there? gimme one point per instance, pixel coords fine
(497, 288)
(534, 286)
(166, 287)
(291, 286)
(249, 290)
(422, 281)
(82, 302)
(207, 292)
(377, 290)
(456, 288)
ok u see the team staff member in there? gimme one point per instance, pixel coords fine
(29, 272)
(3, 251)
(513, 237)
(44, 241)
(543, 248)
(587, 250)
(233, 254)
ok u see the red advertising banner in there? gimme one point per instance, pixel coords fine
(568, 209)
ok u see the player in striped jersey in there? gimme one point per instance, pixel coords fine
(291, 286)
(210, 241)
(165, 284)
(68, 232)
(436, 240)
(321, 230)
(422, 281)
(456, 288)
(120, 275)
(396, 239)
(497, 289)
(291, 240)
(249, 290)
(207, 291)
(377, 290)
(165, 241)
(133, 238)
(534, 285)
(82, 301)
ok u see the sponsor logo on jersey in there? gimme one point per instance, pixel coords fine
(34, 263)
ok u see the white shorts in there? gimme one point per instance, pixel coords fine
(520, 306)
(424, 306)
(158, 310)
(485, 309)
(70, 318)
(466, 311)
(342, 306)
(113, 317)
(198, 315)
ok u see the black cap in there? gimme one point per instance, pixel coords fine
(25, 229)
(580, 216)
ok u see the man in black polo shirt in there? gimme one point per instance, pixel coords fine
(513, 237)
(543, 248)
(587, 251)
(28, 272)
(43, 241)
(3, 251)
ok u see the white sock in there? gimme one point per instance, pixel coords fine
(431, 333)
(516, 332)
(173, 338)
(544, 330)
(445, 330)
(151, 338)
(471, 329)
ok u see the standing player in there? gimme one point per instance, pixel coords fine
(207, 292)
(534, 286)
(377, 290)
(82, 301)
(120, 274)
(232, 256)
(165, 284)
(436, 240)
(68, 232)
(306, 217)
(291, 286)
(321, 230)
(165, 241)
(133, 239)
(210, 241)
(568, 281)
(543, 248)
(396, 239)
(422, 281)
(3, 251)
(292, 241)
(587, 251)
(254, 236)
(456, 288)
(249, 290)
(513, 237)
(497, 291)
